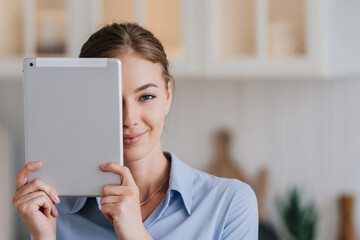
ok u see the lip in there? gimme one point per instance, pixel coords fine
(130, 139)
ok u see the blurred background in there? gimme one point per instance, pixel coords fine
(267, 91)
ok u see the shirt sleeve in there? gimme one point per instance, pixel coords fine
(242, 221)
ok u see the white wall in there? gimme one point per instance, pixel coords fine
(12, 122)
(6, 188)
(307, 133)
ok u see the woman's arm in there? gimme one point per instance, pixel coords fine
(120, 204)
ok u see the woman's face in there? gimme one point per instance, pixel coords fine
(145, 103)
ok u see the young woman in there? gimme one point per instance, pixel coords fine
(160, 197)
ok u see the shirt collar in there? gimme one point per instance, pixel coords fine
(78, 204)
(180, 181)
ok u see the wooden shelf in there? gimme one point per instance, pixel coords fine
(223, 39)
(286, 28)
(237, 28)
(11, 41)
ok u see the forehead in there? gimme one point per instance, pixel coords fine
(137, 71)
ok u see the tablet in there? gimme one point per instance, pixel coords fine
(73, 122)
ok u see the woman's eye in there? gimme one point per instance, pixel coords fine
(147, 97)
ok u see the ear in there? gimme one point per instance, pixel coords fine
(168, 96)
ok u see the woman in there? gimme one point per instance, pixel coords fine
(160, 196)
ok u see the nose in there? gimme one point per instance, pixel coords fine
(130, 115)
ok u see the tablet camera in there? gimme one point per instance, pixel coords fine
(31, 64)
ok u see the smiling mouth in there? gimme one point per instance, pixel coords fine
(130, 139)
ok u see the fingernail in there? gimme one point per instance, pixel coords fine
(57, 199)
(103, 165)
(56, 212)
(37, 164)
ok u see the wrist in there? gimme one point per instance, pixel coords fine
(147, 236)
(44, 237)
(141, 236)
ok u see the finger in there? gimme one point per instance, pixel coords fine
(111, 190)
(43, 201)
(30, 196)
(38, 185)
(111, 200)
(24, 199)
(25, 171)
(124, 172)
(107, 211)
(33, 205)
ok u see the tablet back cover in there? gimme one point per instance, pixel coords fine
(73, 122)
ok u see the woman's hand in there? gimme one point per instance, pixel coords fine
(120, 204)
(35, 203)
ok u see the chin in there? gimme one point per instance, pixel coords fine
(140, 150)
(133, 154)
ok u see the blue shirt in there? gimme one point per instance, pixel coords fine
(197, 206)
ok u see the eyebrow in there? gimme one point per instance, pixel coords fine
(145, 87)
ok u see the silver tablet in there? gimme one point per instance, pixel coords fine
(73, 121)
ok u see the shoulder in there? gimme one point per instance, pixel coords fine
(229, 206)
(202, 183)
(233, 189)
(235, 202)
(206, 189)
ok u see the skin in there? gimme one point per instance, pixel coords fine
(146, 101)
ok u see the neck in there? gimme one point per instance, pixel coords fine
(149, 172)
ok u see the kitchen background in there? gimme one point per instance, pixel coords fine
(281, 77)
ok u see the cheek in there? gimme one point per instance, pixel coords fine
(154, 117)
